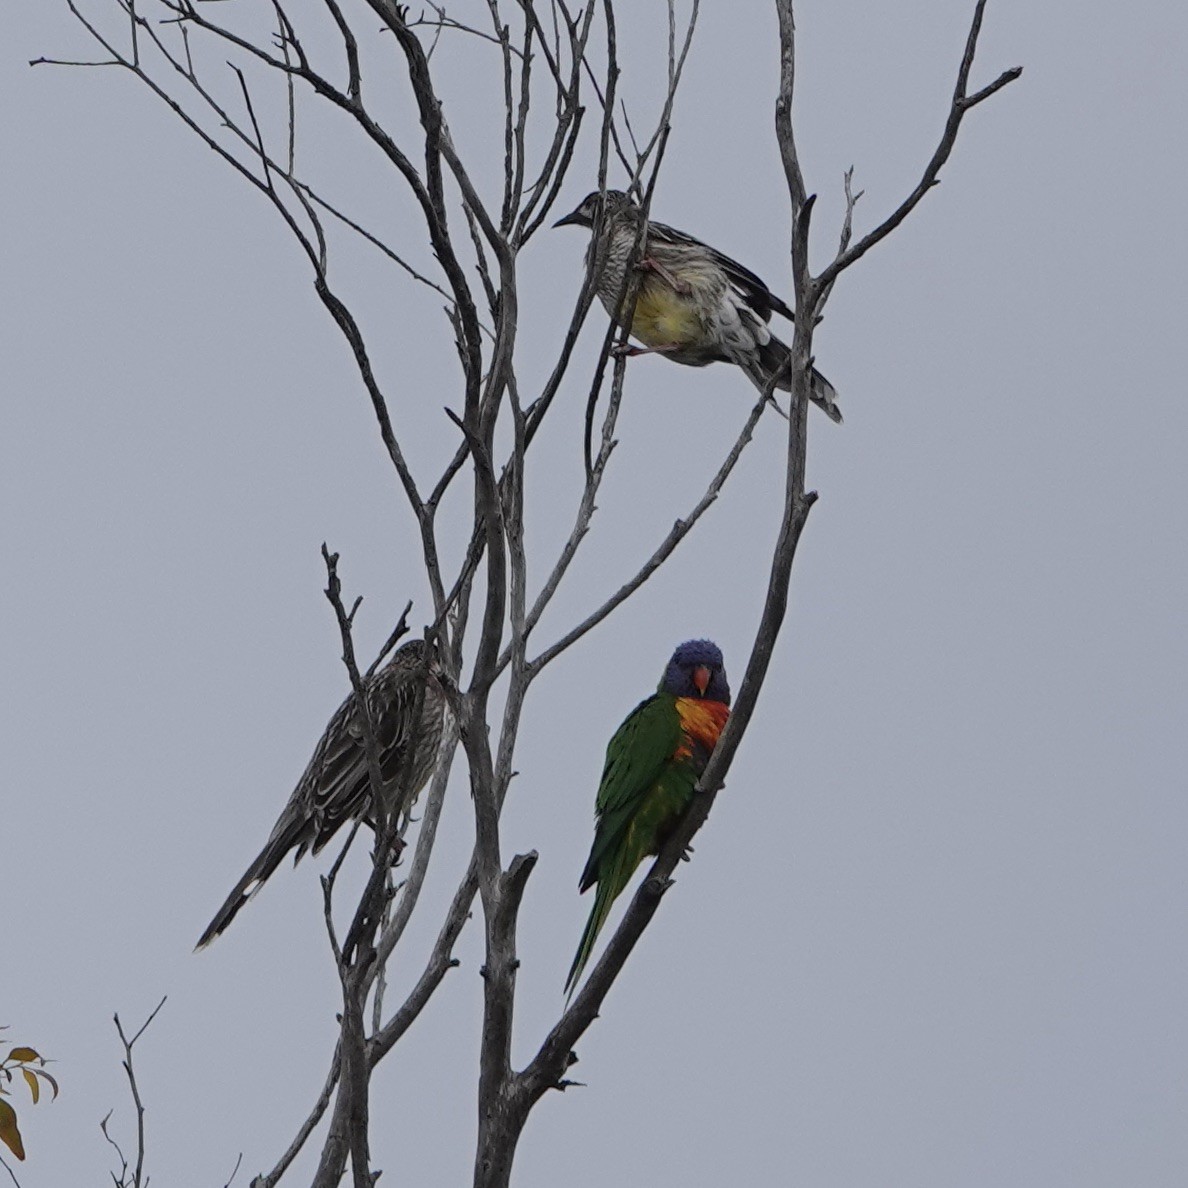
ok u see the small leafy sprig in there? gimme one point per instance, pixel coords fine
(31, 1065)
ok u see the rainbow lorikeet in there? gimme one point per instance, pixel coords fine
(652, 767)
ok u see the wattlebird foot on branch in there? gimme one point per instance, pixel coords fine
(628, 350)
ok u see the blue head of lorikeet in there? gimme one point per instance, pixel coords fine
(696, 670)
(650, 776)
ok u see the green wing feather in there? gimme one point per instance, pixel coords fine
(635, 758)
(642, 791)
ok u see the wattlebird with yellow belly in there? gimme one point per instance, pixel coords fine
(652, 767)
(693, 304)
(336, 787)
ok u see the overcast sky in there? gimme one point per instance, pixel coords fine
(934, 932)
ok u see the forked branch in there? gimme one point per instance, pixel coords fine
(961, 103)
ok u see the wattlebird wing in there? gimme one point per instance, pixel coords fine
(750, 287)
(335, 787)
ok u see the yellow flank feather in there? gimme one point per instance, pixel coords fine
(664, 317)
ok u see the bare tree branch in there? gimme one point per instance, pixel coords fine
(961, 103)
(139, 1179)
(3, 1161)
(663, 551)
(234, 1171)
(474, 221)
(272, 1178)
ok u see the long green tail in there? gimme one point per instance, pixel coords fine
(604, 896)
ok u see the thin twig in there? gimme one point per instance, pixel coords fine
(270, 1179)
(234, 1171)
(11, 1173)
(138, 1179)
(846, 232)
(447, 22)
(680, 529)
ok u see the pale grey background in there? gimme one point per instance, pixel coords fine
(934, 931)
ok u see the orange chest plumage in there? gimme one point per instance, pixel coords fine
(701, 724)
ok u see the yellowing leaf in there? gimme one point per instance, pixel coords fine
(22, 1054)
(10, 1136)
(34, 1087)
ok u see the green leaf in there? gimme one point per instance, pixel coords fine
(22, 1054)
(34, 1087)
(10, 1136)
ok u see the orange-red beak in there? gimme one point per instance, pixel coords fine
(701, 678)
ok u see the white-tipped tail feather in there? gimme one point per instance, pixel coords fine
(774, 358)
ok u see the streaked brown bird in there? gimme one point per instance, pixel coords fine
(335, 787)
(693, 304)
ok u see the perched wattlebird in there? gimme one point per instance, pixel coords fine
(652, 767)
(693, 304)
(336, 786)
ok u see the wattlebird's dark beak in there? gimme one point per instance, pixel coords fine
(701, 678)
(574, 218)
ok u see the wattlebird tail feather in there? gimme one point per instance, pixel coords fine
(284, 837)
(774, 357)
